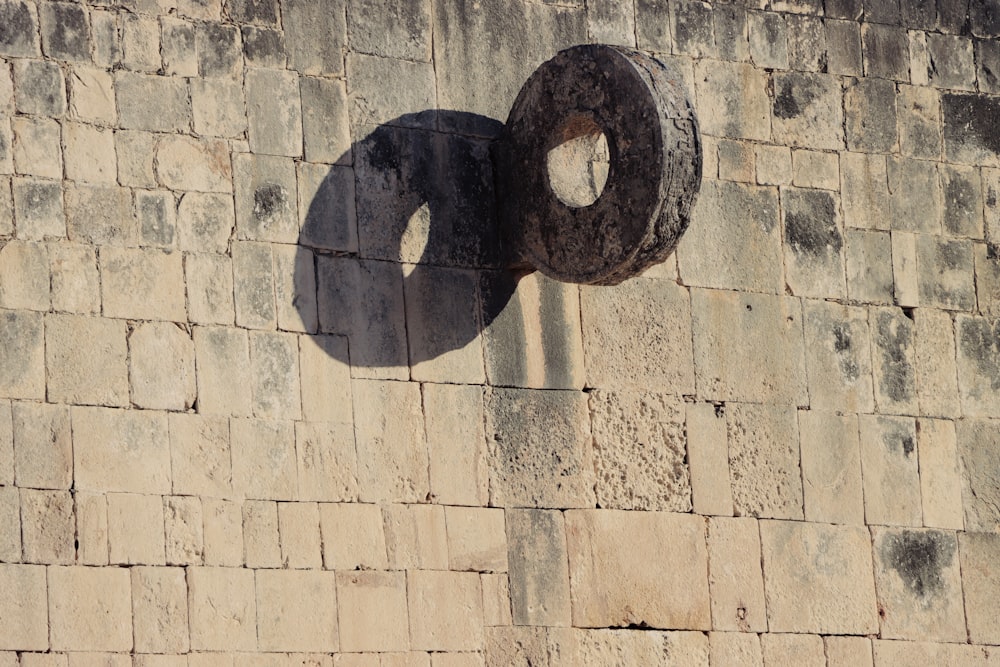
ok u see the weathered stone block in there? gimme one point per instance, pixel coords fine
(708, 459)
(869, 266)
(199, 165)
(92, 528)
(22, 358)
(835, 595)
(735, 578)
(223, 370)
(970, 137)
(978, 341)
(47, 527)
(905, 279)
(886, 51)
(764, 461)
(219, 51)
(768, 40)
(254, 285)
(792, 649)
(843, 41)
(326, 375)
(118, 450)
(807, 110)
(952, 63)
(571, 646)
(476, 539)
(919, 585)
(736, 161)
(183, 530)
(321, 36)
(940, 475)
(814, 242)
(416, 537)
(691, 29)
(264, 47)
(274, 359)
(140, 37)
(136, 151)
(393, 30)
(539, 572)
(610, 22)
(735, 648)
(297, 611)
(222, 532)
(261, 542)
(200, 456)
(870, 107)
(815, 169)
(19, 35)
(655, 577)
(43, 450)
(135, 94)
(919, 122)
(324, 120)
(298, 531)
(987, 280)
(937, 388)
(732, 100)
(274, 112)
(640, 461)
(979, 553)
(160, 609)
(177, 47)
(24, 276)
(39, 88)
(831, 468)
(161, 367)
(38, 209)
(10, 515)
(988, 65)
(889, 470)
(353, 539)
(327, 213)
(865, 190)
(963, 201)
(222, 609)
(210, 288)
(392, 450)
(730, 25)
(23, 596)
(106, 43)
(915, 192)
(90, 609)
(773, 165)
(266, 199)
(456, 444)
(156, 215)
(446, 610)
(980, 474)
(807, 48)
(264, 465)
(37, 150)
(893, 359)
(86, 357)
(529, 431)
(373, 614)
(135, 529)
(65, 31)
(327, 462)
(839, 361)
(142, 284)
(218, 107)
(204, 222)
(768, 363)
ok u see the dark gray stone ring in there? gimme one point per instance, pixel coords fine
(653, 166)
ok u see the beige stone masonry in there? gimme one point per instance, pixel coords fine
(222, 609)
(297, 611)
(120, 450)
(353, 537)
(735, 580)
(373, 611)
(90, 609)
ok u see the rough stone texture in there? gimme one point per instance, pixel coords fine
(980, 473)
(120, 450)
(893, 358)
(223, 371)
(296, 611)
(23, 604)
(838, 359)
(46, 527)
(831, 468)
(937, 387)
(735, 579)
(456, 444)
(732, 100)
(981, 584)
(568, 647)
(446, 610)
(161, 367)
(940, 474)
(159, 599)
(43, 450)
(416, 536)
(978, 364)
(539, 569)
(222, 609)
(889, 468)
(807, 111)
(87, 355)
(764, 461)
(476, 539)
(835, 595)
(135, 529)
(373, 612)
(865, 190)
(353, 538)
(708, 459)
(814, 243)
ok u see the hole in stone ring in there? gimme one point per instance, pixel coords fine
(578, 164)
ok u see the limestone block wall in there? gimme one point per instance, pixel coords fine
(267, 397)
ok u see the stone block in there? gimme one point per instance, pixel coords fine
(22, 358)
(204, 222)
(373, 613)
(453, 418)
(815, 169)
(217, 106)
(735, 578)
(807, 110)
(476, 539)
(730, 24)
(870, 108)
(889, 470)
(222, 609)
(120, 450)
(183, 530)
(43, 451)
(223, 370)
(831, 467)
(140, 37)
(443, 325)
(839, 360)
(767, 364)
(298, 530)
(177, 47)
(136, 111)
(86, 357)
(90, 609)
(979, 553)
(322, 35)
(952, 62)
(160, 609)
(496, 599)
(135, 529)
(24, 276)
(539, 574)
(919, 122)
(136, 151)
(253, 279)
(987, 280)
(142, 284)
(640, 461)
(92, 528)
(773, 165)
(324, 120)
(38, 209)
(886, 51)
(618, 578)
(7, 457)
(764, 461)
(567, 647)
(813, 243)
(969, 136)
(708, 459)
(65, 31)
(869, 266)
(865, 190)
(945, 270)
(326, 375)
(919, 584)
(23, 595)
(963, 201)
(264, 47)
(47, 527)
(199, 165)
(905, 287)
(37, 150)
(391, 444)
(222, 532)
(735, 648)
(736, 161)
(446, 610)
(978, 341)
(264, 462)
(220, 53)
(327, 464)
(845, 651)
(691, 29)
(732, 100)
(106, 44)
(843, 41)
(161, 367)
(807, 48)
(156, 214)
(720, 220)
(327, 213)
(353, 537)
(527, 431)
(893, 360)
(394, 30)
(295, 288)
(980, 472)
(792, 649)
(262, 544)
(39, 88)
(940, 474)
(937, 388)
(416, 537)
(988, 65)
(768, 39)
(100, 215)
(835, 595)
(266, 198)
(274, 112)
(297, 611)
(274, 359)
(19, 36)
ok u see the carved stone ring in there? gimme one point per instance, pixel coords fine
(653, 166)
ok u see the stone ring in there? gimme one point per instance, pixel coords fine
(585, 98)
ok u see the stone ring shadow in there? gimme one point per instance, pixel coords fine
(401, 254)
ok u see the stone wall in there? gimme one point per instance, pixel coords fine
(267, 397)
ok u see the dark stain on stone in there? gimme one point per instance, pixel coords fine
(841, 337)
(268, 199)
(972, 118)
(843, 346)
(979, 340)
(16, 25)
(68, 35)
(954, 255)
(785, 104)
(811, 224)
(984, 17)
(253, 11)
(898, 438)
(218, 51)
(919, 558)
(991, 197)
(894, 342)
(959, 202)
(263, 45)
